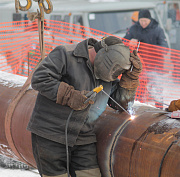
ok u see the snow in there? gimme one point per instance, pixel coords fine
(18, 173)
(11, 80)
(10, 167)
(8, 151)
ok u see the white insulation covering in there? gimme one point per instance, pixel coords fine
(11, 80)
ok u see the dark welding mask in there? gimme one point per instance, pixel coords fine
(111, 61)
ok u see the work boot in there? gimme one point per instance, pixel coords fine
(88, 173)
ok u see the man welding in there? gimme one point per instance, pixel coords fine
(63, 80)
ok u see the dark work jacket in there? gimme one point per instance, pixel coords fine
(152, 34)
(71, 64)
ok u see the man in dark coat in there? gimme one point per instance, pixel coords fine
(63, 79)
(147, 30)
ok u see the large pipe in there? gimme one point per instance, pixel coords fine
(139, 147)
(144, 147)
(15, 140)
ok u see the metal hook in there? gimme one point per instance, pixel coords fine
(50, 7)
(18, 5)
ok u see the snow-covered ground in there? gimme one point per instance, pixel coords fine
(18, 173)
(10, 167)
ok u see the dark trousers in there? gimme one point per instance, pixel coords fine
(51, 157)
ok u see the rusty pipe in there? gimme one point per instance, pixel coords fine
(137, 149)
(15, 140)
(125, 148)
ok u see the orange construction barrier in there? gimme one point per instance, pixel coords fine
(20, 52)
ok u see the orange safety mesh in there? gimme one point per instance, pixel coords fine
(20, 52)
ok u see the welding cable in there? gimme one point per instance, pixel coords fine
(160, 168)
(89, 96)
(66, 139)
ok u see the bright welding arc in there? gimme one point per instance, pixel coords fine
(132, 117)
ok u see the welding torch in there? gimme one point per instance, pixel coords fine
(96, 90)
(93, 93)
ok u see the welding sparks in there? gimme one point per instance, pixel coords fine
(132, 117)
(129, 105)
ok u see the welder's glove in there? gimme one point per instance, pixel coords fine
(174, 105)
(130, 78)
(75, 99)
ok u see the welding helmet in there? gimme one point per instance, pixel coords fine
(111, 61)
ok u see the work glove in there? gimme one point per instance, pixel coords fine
(75, 99)
(174, 105)
(130, 78)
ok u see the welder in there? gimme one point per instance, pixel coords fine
(62, 80)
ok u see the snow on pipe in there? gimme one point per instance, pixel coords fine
(146, 146)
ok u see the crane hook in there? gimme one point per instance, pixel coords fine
(50, 7)
(18, 5)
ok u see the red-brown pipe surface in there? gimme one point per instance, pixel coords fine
(126, 148)
(137, 148)
(20, 136)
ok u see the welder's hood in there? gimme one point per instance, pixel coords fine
(111, 61)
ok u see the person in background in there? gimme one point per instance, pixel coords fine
(63, 80)
(134, 17)
(173, 12)
(146, 30)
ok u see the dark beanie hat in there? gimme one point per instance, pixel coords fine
(110, 40)
(144, 13)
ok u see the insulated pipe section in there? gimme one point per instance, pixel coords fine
(144, 147)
